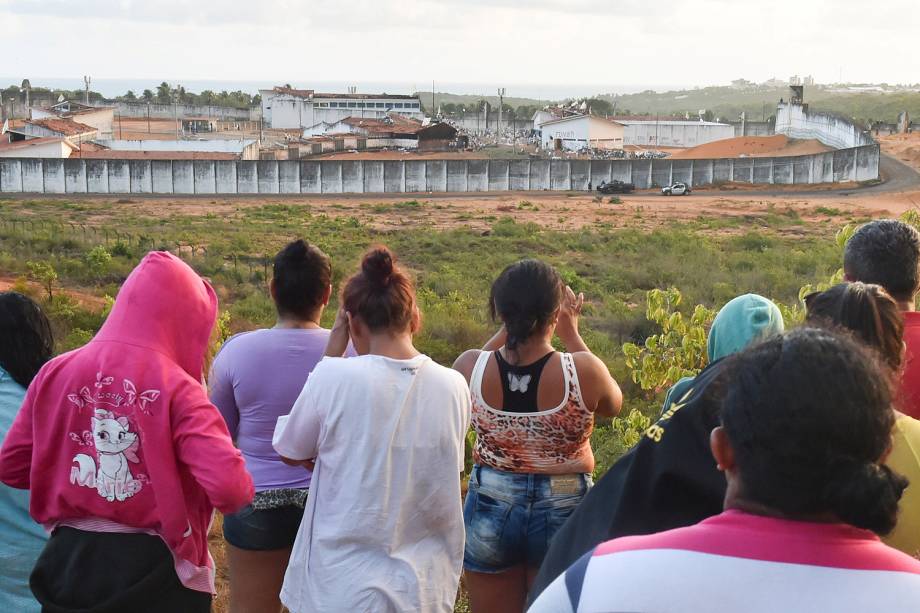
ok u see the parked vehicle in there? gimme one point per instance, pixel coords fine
(615, 187)
(676, 189)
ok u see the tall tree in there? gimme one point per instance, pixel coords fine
(163, 91)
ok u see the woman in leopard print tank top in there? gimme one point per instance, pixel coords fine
(533, 412)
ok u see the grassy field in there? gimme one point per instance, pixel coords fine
(72, 256)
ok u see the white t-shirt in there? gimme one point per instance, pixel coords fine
(383, 526)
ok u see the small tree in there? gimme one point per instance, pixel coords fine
(45, 275)
(98, 260)
(680, 349)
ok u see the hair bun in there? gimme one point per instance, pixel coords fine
(865, 494)
(378, 265)
(297, 250)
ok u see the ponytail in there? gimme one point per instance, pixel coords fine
(525, 297)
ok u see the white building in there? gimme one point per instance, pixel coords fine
(102, 118)
(46, 147)
(245, 149)
(672, 133)
(580, 131)
(286, 108)
(551, 113)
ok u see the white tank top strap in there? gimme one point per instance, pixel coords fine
(572, 386)
(476, 377)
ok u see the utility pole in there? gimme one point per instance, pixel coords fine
(433, 108)
(501, 97)
(27, 87)
(176, 110)
(86, 82)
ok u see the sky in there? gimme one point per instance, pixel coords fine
(525, 45)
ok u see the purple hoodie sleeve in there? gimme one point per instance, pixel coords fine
(204, 446)
(220, 384)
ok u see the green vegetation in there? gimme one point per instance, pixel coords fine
(727, 103)
(75, 265)
(164, 93)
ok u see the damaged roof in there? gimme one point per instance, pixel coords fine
(67, 127)
(393, 122)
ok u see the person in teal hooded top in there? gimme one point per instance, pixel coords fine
(26, 344)
(742, 321)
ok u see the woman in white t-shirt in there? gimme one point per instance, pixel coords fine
(383, 526)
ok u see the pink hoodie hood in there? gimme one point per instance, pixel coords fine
(119, 435)
(165, 306)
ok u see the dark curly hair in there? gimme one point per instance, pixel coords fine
(525, 296)
(26, 341)
(865, 310)
(885, 252)
(301, 274)
(809, 418)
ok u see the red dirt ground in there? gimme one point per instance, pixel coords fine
(905, 147)
(751, 146)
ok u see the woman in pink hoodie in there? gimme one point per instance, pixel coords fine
(126, 458)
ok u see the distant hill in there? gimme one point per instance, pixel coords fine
(727, 103)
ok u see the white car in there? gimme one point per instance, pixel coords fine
(675, 189)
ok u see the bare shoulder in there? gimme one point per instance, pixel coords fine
(589, 365)
(466, 362)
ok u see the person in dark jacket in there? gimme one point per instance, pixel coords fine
(669, 479)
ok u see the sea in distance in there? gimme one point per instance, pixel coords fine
(117, 87)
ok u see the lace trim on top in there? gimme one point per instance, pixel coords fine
(282, 497)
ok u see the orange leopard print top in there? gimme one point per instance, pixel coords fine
(554, 442)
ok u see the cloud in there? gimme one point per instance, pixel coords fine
(603, 43)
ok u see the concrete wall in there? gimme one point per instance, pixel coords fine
(798, 121)
(74, 175)
(169, 111)
(753, 128)
(675, 133)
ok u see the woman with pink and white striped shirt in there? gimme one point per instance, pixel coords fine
(806, 425)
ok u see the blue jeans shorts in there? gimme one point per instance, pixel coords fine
(263, 530)
(510, 518)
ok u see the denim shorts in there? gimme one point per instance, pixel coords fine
(263, 530)
(510, 518)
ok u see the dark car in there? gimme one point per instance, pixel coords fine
(615, 187)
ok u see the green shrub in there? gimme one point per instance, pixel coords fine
(98, 260)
